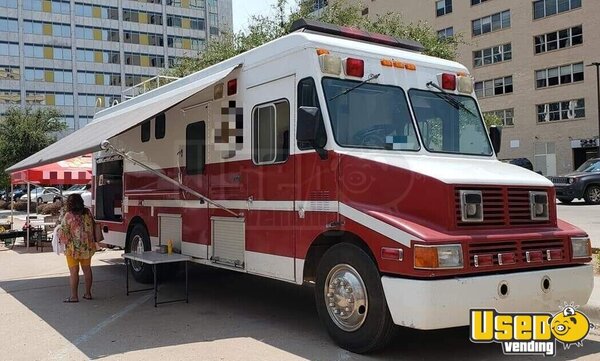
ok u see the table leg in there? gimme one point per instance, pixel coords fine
(127, 274)
(187, 299)
(155, 286)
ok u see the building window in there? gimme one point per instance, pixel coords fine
(47, 52)
(97, 78)
(566, 74)
(443, 7)
(50, 29)
(49, 75)
(98, 56)
(563, 110)
(142, 17)
(8, 4)
(506, 115)
(544, 159)
(48, 98)
(10, 72)
(477, 2)
(320, 4)
(96, 100)
(493, 55)
(499, 86)
(10, 49)
(543, 8)
(561, 39)
(185, 22)
(96, 11)
(491, 23)
(10, 96)
(271, 133)
(195, 148)
(446, 33)
(9, 25)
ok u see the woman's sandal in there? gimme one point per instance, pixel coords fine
(87, 297)
(70, 300)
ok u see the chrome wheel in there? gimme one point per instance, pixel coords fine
(346, 297)
(594, 194)
(137, 246)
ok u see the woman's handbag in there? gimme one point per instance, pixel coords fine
(57, 247)
(98, 236)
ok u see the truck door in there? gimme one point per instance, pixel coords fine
(270, 218)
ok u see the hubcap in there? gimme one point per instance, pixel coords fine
(137, 246)
(595, 194)
(346, 297)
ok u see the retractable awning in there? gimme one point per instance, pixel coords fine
(120, 118)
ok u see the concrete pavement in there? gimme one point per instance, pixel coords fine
(230, 316)
(583, 216)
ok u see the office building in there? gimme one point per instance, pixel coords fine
(79, 56)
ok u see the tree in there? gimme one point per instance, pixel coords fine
(24, 132)
(263, 28)
(492, 120)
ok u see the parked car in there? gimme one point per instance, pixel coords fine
(583, 183)
(76, 189)
(15, 195)
(42, 195)
(522, 162)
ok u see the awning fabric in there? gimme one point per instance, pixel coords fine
(73, 171)
(122, 117)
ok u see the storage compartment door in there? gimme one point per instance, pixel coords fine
(170, 229)
(228, 241)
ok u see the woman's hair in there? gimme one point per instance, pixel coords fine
(75, 204)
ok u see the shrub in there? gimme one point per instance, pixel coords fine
(22, 207)
(52, 209)
(4, 205)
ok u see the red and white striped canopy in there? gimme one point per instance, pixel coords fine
(72, 171)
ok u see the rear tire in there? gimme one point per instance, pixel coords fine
(364, 323)
(565, 200)
(138, 242)
(40, 200)
(592, 194)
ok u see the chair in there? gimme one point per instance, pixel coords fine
(40, 236)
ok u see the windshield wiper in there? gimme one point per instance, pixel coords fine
(442, 94)
(375, 76)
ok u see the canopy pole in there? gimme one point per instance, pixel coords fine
(28, 221)
(12, 206)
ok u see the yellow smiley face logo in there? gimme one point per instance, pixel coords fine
(570, 326)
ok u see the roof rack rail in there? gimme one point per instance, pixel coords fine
(353, 33)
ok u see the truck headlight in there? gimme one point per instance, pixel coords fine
(581, 247)
(471, 205)
(438, 257)
(571, 180)
(538, 203)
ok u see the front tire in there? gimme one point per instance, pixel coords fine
(40, 200)
(138, 242)
(350, 299)
(592, 194)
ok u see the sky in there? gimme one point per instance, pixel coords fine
(243, 9)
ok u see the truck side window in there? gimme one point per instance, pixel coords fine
(160, 126)
(307, 97)
(271, 132)
(195, 148)
(145, 131)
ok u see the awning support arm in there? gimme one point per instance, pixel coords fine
(105, 145)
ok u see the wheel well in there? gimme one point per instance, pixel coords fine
(591, 185)
(325, 241)
(134, 221)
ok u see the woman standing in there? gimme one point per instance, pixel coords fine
(76, 232)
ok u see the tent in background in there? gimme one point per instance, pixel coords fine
(72, 171)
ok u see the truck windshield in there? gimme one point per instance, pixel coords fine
(445, 128)
(592, 165)
(370, 116)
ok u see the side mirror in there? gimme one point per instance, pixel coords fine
(311, 130)
(496, 138)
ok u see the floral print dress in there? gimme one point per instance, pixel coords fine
(76, 232)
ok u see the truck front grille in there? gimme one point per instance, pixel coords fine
(502, 207)
(520, 250)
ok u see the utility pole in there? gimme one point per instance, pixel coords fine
(597, 65)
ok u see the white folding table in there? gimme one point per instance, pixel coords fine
(154, 258)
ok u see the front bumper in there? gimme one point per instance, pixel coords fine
(574, 190)
(436, 304)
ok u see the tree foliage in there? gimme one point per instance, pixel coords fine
(265, 28)
(492, 120)
(25, 131)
